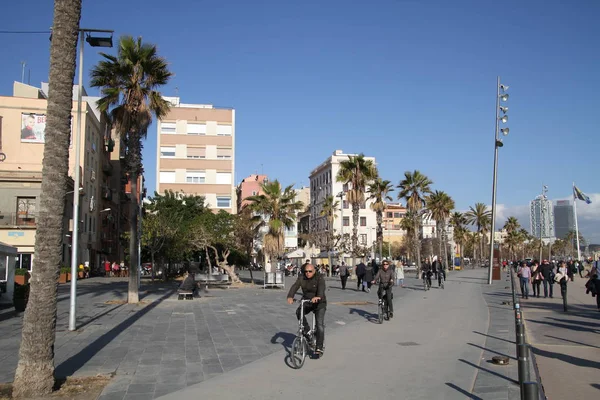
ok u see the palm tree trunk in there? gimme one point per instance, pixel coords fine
(133, 293)
(355, 215)
(439, 235)
(417, 248)
(34, 376)
(380, 233)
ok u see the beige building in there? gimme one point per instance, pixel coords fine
(392, 219)
(20, 177)
(196, 153)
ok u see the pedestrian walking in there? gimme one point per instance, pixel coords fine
(536, 278)
(367, 278)
(343, 272)
(548, 274)
(400, 274)
(524, 274)
(360, 274)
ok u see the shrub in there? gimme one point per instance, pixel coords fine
(21, 296)
(21, 271)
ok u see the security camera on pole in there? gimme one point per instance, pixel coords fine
(501, 95)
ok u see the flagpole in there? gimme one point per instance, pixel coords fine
(576, 224)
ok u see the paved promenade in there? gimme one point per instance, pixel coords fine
(566, 345)
(232, 344)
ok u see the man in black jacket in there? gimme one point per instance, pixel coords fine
(548, 275)
(360, 275)
(313, 289)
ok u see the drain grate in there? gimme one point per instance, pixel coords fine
(406, 344)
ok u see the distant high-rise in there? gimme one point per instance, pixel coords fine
(541, 216)
(563, 218)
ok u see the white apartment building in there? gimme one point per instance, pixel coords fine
(196, 153)
(322, 184)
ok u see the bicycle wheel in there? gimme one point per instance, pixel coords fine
(298, 352)
(380, 316)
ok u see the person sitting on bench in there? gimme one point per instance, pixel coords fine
(188, 285)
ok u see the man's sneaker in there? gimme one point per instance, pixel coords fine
(319, 352)
(391, 315)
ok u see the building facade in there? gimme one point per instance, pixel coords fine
(564, 221)
(249, 186)
(196, 153)
(20, 176)
(323, 183)
(392, 219)
(541, 218)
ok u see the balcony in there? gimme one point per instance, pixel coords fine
(107, 168)
(18, 219)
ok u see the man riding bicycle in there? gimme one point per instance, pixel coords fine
(385, 276)
(426, 268)
(313, 289)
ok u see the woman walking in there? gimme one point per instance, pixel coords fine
(400, 274)
(524, 274)
(536, 278)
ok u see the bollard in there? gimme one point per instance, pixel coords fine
(530, 391)
(520, 334)
(522, 360)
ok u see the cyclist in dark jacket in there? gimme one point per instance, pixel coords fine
(385, 276)
(313, 289)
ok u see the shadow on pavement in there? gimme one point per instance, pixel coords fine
(597, 386)
(288, 339)
(97, 316)
(572, 341)
(585, 323)
(565, 326)
(75, 362)
(489, 371)
(494, 337)
(580, 362)
(469, 395)
(490, 350)
(365, 314)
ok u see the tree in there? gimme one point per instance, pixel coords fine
(512, 225)
(157, 229)
(276, 210)
(458, 222)
(356, 172)
(129, 86)
(34, 376)
(481, 217)
(329, 210)
(407, 223)
(440, 205)
(379, 190)
(413, 188)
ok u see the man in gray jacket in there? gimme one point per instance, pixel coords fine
(385, 276)
(343, 271)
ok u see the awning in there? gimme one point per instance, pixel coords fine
(298, 253)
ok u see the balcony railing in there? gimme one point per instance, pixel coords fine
(18, 219)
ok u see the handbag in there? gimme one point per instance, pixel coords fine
(558, 277)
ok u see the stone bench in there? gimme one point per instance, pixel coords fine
(185, 296)
(212, 280)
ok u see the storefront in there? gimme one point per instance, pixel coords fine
(8, 255)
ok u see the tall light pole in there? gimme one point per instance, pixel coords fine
(542, 208)
(94, 42)
(501, 95)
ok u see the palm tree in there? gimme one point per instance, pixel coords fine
(407, 223)
(512, 224)
(34, 376)
(458, 222)
(439, 205)
(276, 210)
(356, 172)
(129, 86)
(329, 210)
(481, 217)
(413, 188)
(379, 191)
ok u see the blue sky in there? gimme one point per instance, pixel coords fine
(409, 82)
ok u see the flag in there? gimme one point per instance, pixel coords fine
(580, 195)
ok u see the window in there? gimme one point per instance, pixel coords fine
(168, 127)
(346, 221)
(196, 152)
(167, 177)
(224, 153)
(345, 203)
(223, 178)
(254, 193)
(363, 205)
(389, 215)
(25, 261)
(224, 130)
(167, 152)
(223, 202)
(196, 129)
(363, 221)
(363, 239)
(26, 211)
(397, 215)
(345, 187)
(195, 177)
(3, 269)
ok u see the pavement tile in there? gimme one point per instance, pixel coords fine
(113, 396)
(141, 388)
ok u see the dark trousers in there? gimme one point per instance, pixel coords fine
(597, 283)
(387, 292)
(344, 279)
(537, 285)
(547, 283)
(359, 279)
(319, 310)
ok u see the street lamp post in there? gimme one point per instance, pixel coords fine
(542, 209)
(94, 42)
(500, 96)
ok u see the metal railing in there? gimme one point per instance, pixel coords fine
(18, 219)
(529, 389)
